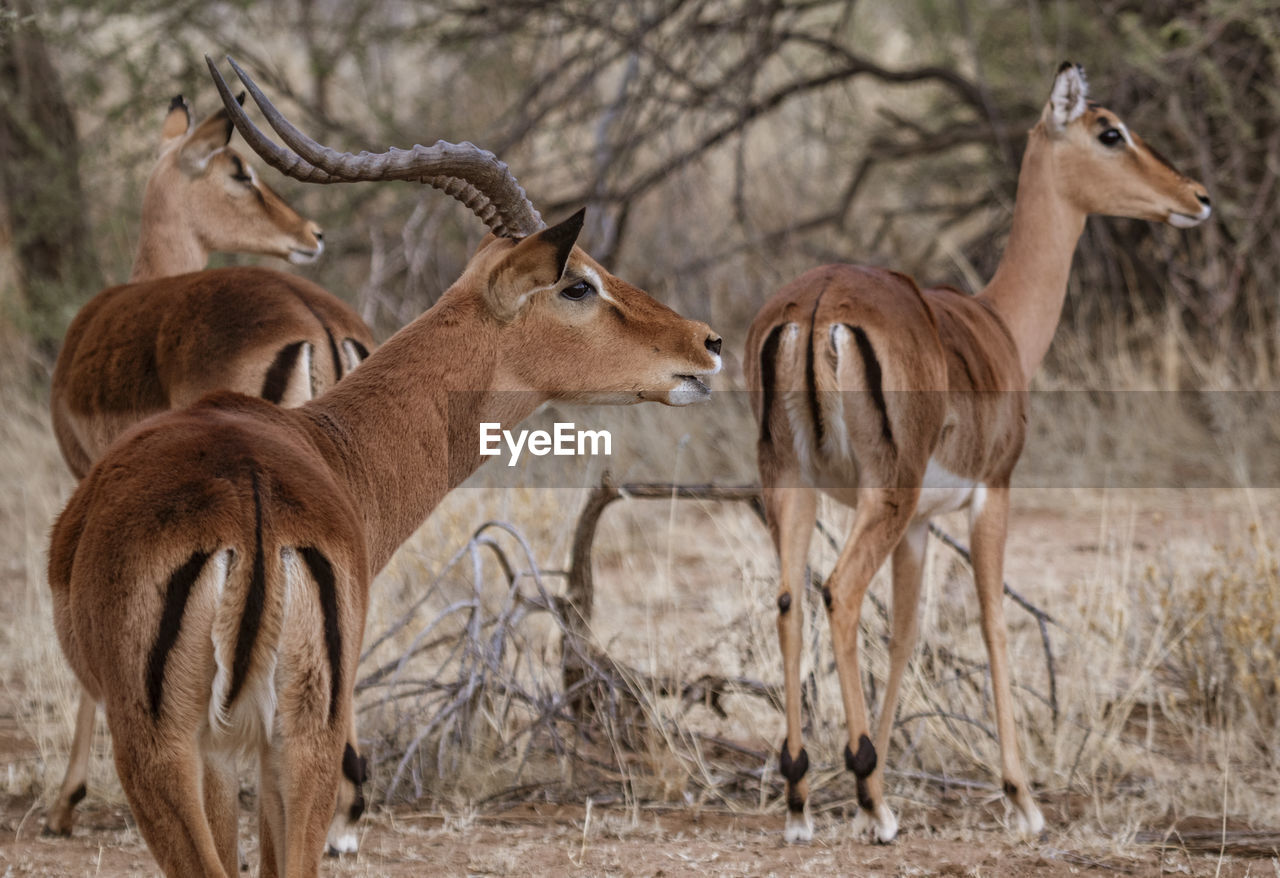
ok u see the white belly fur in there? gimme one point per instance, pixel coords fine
(944, 491)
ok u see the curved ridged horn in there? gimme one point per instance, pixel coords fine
(472, 175)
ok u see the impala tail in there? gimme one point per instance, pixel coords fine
(277, 638)
(246, 637)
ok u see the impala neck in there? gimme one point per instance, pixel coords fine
(166, 245)
(1030, 284)
(404, 429)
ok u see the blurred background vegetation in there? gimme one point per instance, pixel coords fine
(722, 145)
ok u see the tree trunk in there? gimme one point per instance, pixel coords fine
(40, 181)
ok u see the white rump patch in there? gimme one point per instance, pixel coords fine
(304, 369)
(222, 677)
(353, 354)
(303, 377)
(793, 399)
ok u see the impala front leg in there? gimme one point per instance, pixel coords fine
(990, 518)
(792, 513)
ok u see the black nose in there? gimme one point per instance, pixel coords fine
(1203, 199)
(713, 344)
(319, 235)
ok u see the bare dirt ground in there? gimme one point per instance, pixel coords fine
(550, 840)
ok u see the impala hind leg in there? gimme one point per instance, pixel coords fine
(162, 780)
(881, 520)
(61, 815)
(298, 784)
(908, 573)
(271, 832)
(342, 837)
(222, 807)
(990, 520)
(310, 789)
(792, 513)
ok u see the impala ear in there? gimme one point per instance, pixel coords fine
(1069, 98)
(177, 122)
(208, 137)
(534, 263)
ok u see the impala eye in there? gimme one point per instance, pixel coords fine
(1111, 137)
(578, 291)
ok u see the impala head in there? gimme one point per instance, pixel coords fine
(569, 329)
(1107, 168)
(573, 331)
(205, 189)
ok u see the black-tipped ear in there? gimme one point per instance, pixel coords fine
(563, 236)
(177, 121)
(240, 98)
(1069, 98)
(208, 137)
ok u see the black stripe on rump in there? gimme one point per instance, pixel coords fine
(810, 379)
(175, 605)
(254, 600)
(768, 379)
(322, 573)
(277, 380)
(875, 381)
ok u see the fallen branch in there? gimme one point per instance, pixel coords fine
(1233, 843)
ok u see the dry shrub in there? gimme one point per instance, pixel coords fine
(1225, 661)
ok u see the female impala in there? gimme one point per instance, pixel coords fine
(174, 333)
(169, 336)
(905, 404)
(210, 576)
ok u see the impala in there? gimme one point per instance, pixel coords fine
(905, 403)
(170, 335)
(210, 576)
